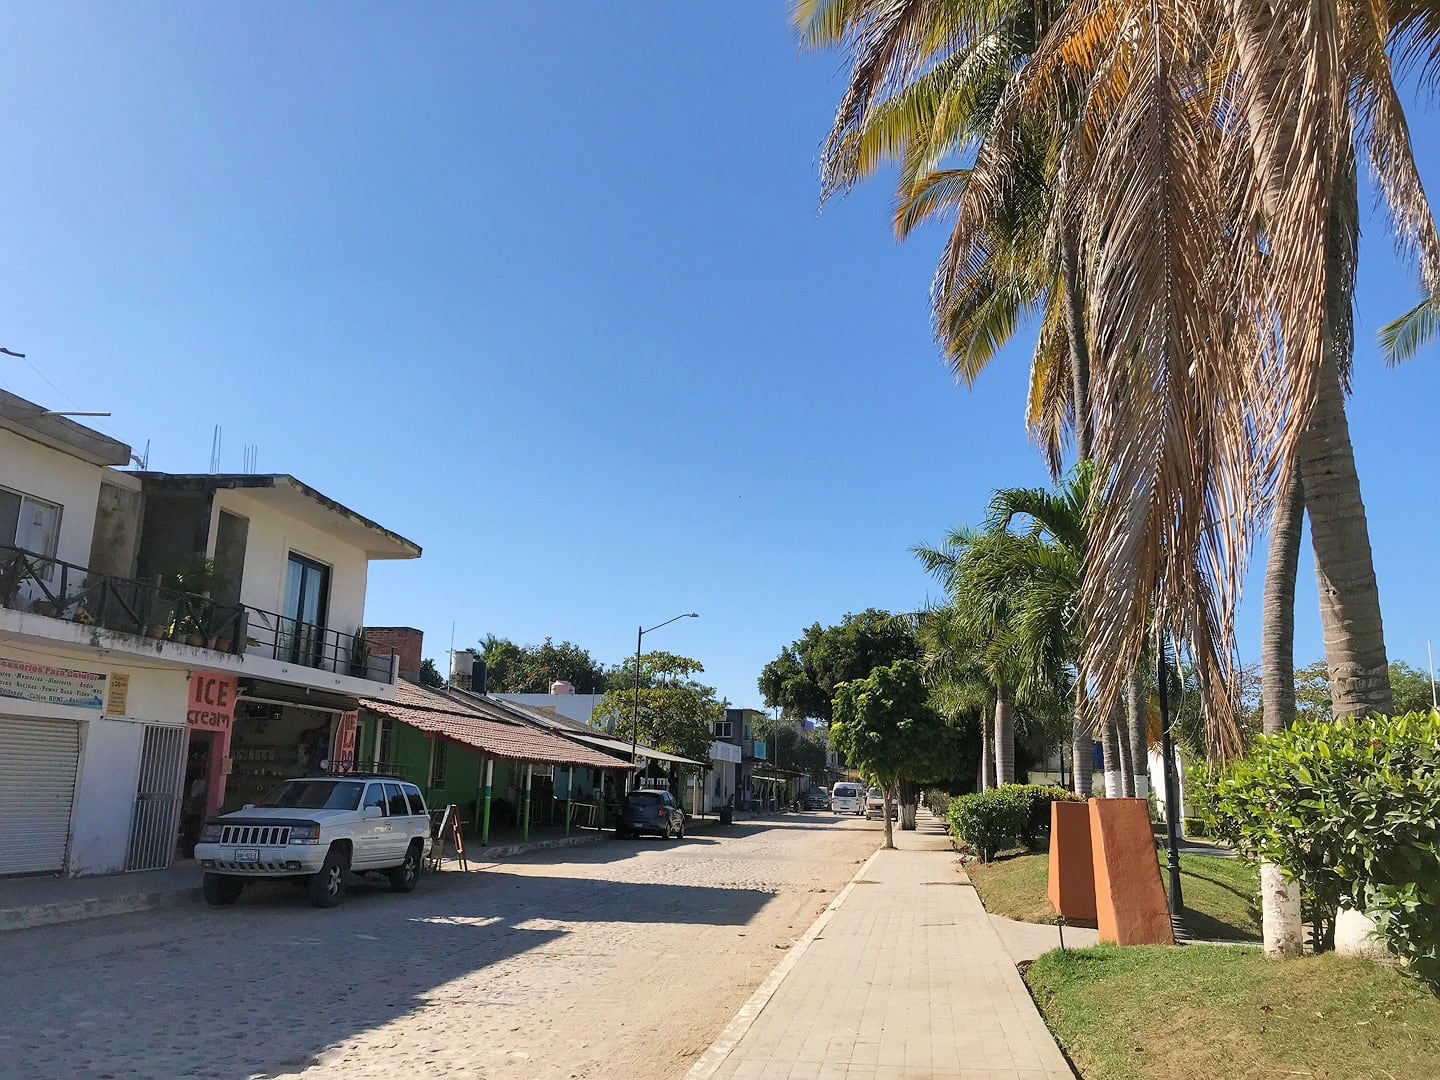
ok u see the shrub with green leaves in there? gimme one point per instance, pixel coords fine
(938, 803)
(1351, 809)
(1010, 816)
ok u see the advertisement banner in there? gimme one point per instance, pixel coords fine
(343, 759)
(52, 685)
(212, 701)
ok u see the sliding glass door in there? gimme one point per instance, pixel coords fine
(307, 593)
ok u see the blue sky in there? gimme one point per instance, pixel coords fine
(547, 289)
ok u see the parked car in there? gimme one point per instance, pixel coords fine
(651, 811)
(875, 806)
(318, 829)
(847, 798)
(815, 799)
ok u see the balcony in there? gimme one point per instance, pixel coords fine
(60, 590)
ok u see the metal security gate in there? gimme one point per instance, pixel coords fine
(156, 820)
(38, 762)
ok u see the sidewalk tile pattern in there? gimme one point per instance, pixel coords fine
(910, 980)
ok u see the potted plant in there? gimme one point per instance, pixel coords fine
(359, 654)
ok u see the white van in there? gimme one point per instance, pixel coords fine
(847, 798)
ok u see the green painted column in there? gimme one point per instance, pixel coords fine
(569, 796)
(489, 787)
(525, 829)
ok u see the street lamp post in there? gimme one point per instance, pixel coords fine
(635, 711)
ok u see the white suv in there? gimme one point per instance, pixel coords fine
(847, 798)
(320, 828)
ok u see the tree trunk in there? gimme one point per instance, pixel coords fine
(909, 798)
(1138, 724)
(1277, 640)
(1279, 898)
(1339, 533)
(1110, 747)
(1004, 738)
(987, 757)
(1127, 764)
(1082, 753)
(889, 792)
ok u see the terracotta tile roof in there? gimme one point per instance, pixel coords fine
(438, 715)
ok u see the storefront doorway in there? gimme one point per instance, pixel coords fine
(198, 764)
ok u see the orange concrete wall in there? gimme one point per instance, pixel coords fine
(1072, 867)
(1129, 897)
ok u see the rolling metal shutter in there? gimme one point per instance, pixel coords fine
(38, 760)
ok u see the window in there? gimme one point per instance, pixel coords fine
(437, 763)
(314, 795)
(375, 796)
(722, 729)
(399, 806)
(417, 804)
(384, 739)
(30, 523)
(307, 596)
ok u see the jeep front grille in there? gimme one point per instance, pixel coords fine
(255, 835)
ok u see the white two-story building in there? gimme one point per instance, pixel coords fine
(170, 645)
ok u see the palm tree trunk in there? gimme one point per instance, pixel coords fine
(1339, 533)
(1138, 725)
(1280, 898)
(1110, 747)
(1004, 738)
(1277, 641)
(1127, 763)
(987, 757)
(1082, 747)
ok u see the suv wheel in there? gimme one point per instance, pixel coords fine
(327, 888)
(406, 876)
(222, 889)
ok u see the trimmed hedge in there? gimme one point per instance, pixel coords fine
(938, 802)
(1014, 815)
(1351, 809)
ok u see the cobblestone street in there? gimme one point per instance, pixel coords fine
(621, 958)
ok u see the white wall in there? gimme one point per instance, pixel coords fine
(271, 538)
(109, 750)
(56, 477)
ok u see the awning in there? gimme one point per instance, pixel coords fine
(508, 742)
(641, 750)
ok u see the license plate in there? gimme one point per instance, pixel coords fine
(247, 855)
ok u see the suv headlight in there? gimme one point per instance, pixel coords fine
(210, 833)
(305, 834)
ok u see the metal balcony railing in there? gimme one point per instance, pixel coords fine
(146, 608)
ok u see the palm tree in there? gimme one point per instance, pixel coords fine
(1013, 599)
(1183, 125)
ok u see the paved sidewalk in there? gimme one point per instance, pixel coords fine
(904, 976)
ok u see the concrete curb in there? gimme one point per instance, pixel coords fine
(489, 854)
(54, 912)
(709, 1062)
(92, 907)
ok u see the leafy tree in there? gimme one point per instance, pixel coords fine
(530, 669)
(885, 727)
(430, 674)
(801, 681)
(676, 713)
(795, 748)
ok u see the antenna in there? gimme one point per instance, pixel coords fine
(1431, 655)
(143, 460)
(215, 450)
